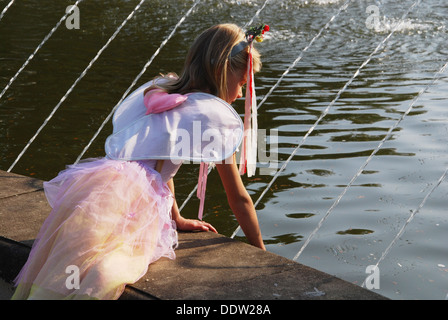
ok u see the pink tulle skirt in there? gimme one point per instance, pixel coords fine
(109, 220)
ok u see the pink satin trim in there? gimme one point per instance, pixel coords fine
(157, 101)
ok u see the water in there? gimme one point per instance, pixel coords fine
(374, 208)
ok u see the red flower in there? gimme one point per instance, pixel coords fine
(266, 27)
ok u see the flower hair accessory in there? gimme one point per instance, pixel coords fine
(254, 33)
(257, 33)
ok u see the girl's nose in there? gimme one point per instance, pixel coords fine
(240, 93)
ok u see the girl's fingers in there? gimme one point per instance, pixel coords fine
(208, 227)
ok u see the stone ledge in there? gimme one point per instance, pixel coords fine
(208, 266)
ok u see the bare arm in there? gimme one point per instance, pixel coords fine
(240, 202)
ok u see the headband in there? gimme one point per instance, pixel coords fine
(254, 33)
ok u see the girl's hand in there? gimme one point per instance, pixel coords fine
(191, 225)
(181, 222)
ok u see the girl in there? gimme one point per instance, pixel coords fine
(111, 217)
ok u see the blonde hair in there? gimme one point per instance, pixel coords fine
(208, 63)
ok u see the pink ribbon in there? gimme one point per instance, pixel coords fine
(202, 185)
(249, 144)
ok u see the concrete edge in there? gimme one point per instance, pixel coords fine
(207, 266)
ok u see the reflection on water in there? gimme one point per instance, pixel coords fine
(374, 207)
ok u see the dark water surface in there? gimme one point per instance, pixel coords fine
(373, 209)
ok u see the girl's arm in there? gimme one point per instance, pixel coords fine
(240, 202)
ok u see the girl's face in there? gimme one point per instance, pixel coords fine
(235, 84)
